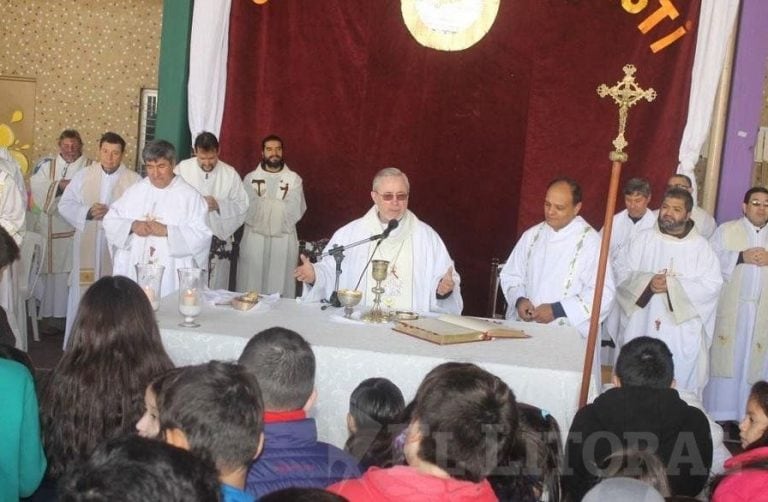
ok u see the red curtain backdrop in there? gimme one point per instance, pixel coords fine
(479, 132)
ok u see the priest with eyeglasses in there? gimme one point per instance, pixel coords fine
(421, 275)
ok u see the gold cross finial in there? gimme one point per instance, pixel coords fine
(625, 94)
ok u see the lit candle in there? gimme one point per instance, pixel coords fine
(189, 298)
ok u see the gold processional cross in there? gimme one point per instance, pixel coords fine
(625, 94)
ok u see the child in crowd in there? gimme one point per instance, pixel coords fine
(637, 464)
(642, 410)
(149, 424)
(22, 461)
(529, 470)
(95, 391)
(215, 411)
(746, 477)
(462, 417)
(284, 365)
(375, 408)
(134, 469)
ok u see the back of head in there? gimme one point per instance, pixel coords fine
(284, 365)
(13, 354)
(375, 402)
(96, 391)
(302, 495)
(376, 407)
(218, 408)
(642, 465)
(624, 490)
(645, 362)
(465, 416)
(9, 250)
(134, 469)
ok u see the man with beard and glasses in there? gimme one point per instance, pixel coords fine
(669, 282)
(269, 250)
(741, 329)
(52, 175)
(221, 187)
(84, 205)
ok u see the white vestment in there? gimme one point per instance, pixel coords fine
(181, 209)
(9, 164)
(88, 186)
(269, 251)
(12, 220)
(684, 317)
(548, 266)
(52, 287)
(417, 257)
(622, 231)
(223, 183)
(704, 222)
(741, 331)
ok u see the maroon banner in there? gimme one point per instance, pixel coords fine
(480, 132)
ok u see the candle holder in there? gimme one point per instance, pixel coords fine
(379, 272)
(190, 295)
(149, 277)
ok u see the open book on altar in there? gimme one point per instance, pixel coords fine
(448, 329)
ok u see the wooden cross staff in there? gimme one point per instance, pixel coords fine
(625, 94)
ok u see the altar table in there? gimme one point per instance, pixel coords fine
(544, 370)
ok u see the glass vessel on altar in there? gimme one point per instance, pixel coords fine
(149, 277)
(190, 295)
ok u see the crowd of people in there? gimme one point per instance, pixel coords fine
(682, 302)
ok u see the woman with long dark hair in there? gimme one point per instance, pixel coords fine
(96, 391)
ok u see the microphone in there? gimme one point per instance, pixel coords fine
(390, 226)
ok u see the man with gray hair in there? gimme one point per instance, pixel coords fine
(421, 275)
(160, 220)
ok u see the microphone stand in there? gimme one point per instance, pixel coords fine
(338, 254)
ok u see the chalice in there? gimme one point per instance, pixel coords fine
(349, 298)
(379, 270)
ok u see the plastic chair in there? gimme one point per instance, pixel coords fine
(32, 253)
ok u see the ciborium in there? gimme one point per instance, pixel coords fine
(379, 270)
(349, 298)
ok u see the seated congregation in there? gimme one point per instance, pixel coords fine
(118, 422)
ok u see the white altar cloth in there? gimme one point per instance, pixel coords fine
(544, 370)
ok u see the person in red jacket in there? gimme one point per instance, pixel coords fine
(746, 476)
(461, 419)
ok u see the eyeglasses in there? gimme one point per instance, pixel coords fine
(757, 203)
(400, 196)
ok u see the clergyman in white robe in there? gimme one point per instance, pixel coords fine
(178, 206)
(223, 183)
(741, 330)
(624, 229)
(91, 256)
(12, 220)
(548, 266)
(684, 316)
(418, 260)
(52, 288)
(269, 249)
